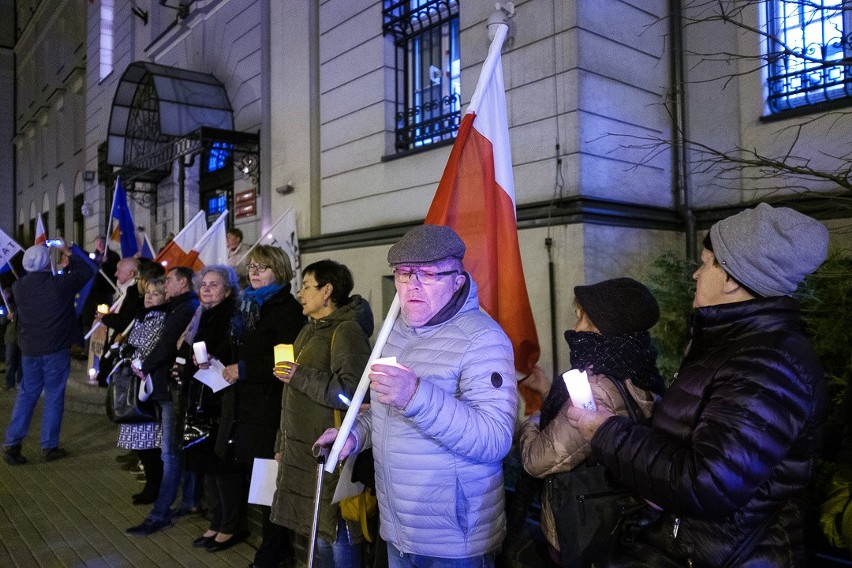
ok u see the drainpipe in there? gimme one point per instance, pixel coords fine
(677, 104)
(314, 165)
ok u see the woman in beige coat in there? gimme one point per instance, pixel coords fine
(610, 341)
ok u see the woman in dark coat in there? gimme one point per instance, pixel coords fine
(331, 353)
(251, 409)
(218, 292)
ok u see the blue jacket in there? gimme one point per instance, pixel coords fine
(439, 477)
(46, 319)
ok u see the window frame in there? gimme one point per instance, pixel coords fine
(800, 84)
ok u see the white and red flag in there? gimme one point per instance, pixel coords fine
(476, 198)
(40, 232)
(176, 252)
(211, 248)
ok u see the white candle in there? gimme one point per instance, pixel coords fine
(200, 350)
(103, 309)
(386, 361)
(93, 376)
(579, 389)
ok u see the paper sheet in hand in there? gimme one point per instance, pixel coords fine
(212, 376)
(345, 486)
(263, 476)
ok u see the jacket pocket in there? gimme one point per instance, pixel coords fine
(461, 508)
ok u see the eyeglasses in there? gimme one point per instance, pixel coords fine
(255, 267)
(306, 286)
(425, 277)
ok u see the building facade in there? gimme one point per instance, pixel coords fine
(345, 110)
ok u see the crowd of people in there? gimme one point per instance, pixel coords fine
(718, 461)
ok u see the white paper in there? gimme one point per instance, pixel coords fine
(263, 476)
(345, 486)
(385, 361)
(212, 376)
(579, 389)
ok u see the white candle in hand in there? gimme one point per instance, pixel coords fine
(579, 389)
(200, 350)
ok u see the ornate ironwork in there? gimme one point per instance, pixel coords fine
(810, 58)
(144, 140)
(428, 102)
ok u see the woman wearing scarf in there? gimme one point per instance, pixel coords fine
(610, 341)
(251, 408)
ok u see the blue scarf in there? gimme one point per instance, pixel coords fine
(253, 300)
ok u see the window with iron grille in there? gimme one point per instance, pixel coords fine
(810, 52)
(428, 70)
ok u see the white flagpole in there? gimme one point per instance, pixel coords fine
(263, 235)
(346, 426)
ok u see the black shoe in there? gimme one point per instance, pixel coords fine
(220, 546)
(148, 526)
(13, 456)
(52, 454)
(203, 541)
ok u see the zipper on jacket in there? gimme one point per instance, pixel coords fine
(675, 527)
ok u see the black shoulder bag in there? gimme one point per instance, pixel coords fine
(587, 504)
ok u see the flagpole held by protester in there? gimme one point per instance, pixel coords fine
(346, 426)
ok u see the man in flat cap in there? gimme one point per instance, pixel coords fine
(441, 421)
(733, 441)
(46, 328)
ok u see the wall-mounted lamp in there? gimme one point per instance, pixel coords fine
(86, 209)
(248, 165)
(89, 175)
(285, 189)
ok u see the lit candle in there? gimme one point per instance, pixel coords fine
(579, 389)
(93, 376)
(284, 353)
(103, 309)
(200, 350)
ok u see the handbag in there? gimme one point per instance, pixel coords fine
(198, 425)
(587, 505)
(127, 396)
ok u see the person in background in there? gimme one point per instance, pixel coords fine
(102, 287)
(251, 408)
(219, 293)
(733, 441)
(126, 305)
(441, 422)
(182, 305)
(237, 250)
(610, 341)
(331, 352)
(145, 439)
(46, 329)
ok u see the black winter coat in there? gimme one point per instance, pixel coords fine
(159, 362)
(733, 440)
(251, 408)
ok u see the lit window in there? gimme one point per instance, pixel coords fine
(219, 156)
(808, 46)
(106, 38)
(428, 70)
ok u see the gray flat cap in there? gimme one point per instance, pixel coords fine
(426, 244)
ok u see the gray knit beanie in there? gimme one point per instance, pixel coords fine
(36, 258)
(770, 249)
(618, 306)
(426, 244)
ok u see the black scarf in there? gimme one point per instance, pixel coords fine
(619, 357)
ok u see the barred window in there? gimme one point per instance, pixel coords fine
(428, 70)
(810, 52)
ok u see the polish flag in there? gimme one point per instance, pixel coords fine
(211, 248)
(176, 253)
(476, 198)
(40, 233)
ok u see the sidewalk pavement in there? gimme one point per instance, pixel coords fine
(73, 512)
